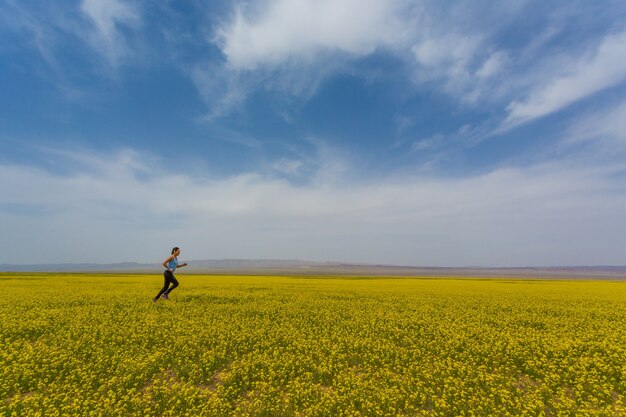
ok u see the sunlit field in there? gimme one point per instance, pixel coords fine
(311, 346)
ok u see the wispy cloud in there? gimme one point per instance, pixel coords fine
(428, 143)
(40, 28)
(581, 77)
(448, 58)
(603, 131)
(455, 47)
(291, 47)
(545, 214)
(109, 18)
(224, 91)
(67, 39)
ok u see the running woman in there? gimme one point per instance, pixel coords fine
(170, 264)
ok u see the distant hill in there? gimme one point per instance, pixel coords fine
(70, 267)
(194, 266)
(296, 267)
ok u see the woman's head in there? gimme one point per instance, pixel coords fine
(176, 250)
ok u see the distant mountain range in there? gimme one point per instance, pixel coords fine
(295, 267)
(194, 266)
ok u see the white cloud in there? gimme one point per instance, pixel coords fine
(226, 91)
(288, 166)
(449, 50)
(15, 17)
(577, 79)
(291, 46)
(604, 130)
(300, 29)
(223, 90)
(452, 59)
(113, 208)
(493, 65)
(107, 28)
(108, 18)
(428, 143)
(456, 47)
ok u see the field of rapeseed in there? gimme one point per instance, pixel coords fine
(281, 346)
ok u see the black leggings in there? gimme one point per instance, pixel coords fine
(169, 277)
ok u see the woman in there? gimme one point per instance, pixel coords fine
(170, 264)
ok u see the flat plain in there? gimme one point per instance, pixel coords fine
(96, 344)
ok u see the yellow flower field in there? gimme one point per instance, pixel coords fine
(96, 345)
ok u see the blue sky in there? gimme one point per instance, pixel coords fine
(393, 132)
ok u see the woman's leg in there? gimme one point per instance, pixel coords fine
(174, 282)
(167, 279)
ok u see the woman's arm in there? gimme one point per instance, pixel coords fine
(183, 264)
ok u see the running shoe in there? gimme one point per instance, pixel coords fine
(165, 297)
